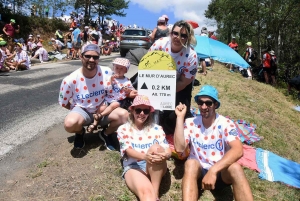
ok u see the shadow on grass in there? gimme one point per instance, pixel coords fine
(165, 184)
(92, 141)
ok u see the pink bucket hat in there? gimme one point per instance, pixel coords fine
(39, 44)
(141, 100)
(122, 62)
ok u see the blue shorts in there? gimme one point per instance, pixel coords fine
(220, 184)
(69, 45)
(88, 117)
(141, 166)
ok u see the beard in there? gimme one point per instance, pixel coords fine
(90, 66)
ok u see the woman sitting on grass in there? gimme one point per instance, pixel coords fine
(144, 149)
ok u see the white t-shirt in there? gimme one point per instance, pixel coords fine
(208, 146)
(22, 56)
(42, 53)
(141, 141)
(186, 60)
(3, 57)
(116, 92)
(59, 43)
(84, 92)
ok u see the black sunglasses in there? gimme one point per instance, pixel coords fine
(207, 103)
(145, 111)
(90, 56)
(183, 36)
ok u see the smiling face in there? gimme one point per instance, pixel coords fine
(178, 37)
(90, 60)
(139, 114)
(207, 107)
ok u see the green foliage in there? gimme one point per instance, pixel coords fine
(267, 23)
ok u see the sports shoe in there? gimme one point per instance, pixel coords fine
(108, 142)
(79, 141)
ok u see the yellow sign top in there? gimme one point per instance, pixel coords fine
(157, 60)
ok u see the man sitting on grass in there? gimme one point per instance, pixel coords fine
(215, 148)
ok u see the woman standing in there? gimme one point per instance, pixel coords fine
(161, 30)
(179, 46)
(144, 149)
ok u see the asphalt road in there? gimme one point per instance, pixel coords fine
(29, 102)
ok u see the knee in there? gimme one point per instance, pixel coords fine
(235, 170)
(146, 192)
(69, 124)
(191, 168)
(123, 116)
(154, 148)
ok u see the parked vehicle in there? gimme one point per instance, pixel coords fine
(134, 38)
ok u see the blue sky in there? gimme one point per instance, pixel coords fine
(145, 13)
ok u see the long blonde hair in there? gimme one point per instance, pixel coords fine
(191, 41)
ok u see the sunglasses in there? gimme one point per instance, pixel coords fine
(176, 34)
(145, 111)
(90, 56)
(207, 103)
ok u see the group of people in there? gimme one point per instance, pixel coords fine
(94, 95)
(268, 61)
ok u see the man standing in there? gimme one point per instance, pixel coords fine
(215, 148)
(267, 65)
(234, 45)
(76, 42)
(83, 91)
(9, 30)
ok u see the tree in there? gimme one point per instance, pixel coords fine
(267, 23)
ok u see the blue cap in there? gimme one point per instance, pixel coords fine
(208, 90)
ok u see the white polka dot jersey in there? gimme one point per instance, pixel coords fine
(186, 60)
(84, 92)
(141, 141)
(208, 146)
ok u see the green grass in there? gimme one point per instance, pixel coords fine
(255, 102)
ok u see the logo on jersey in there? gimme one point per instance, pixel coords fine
(233, 132)
(194, 71)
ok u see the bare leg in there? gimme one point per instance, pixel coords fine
(266, 77)
(192, 171)
(140, 185)
(203, 64)
(235, 175)
(156, 171)
(73, 122)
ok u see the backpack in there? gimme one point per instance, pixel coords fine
(273, 62)
(254, 55)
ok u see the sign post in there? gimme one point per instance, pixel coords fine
(157, 79)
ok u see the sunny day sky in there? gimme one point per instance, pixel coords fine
(145, 13)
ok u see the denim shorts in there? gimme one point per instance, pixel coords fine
(140, 165)
(88, 117)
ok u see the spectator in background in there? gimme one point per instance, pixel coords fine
(294, 83)
(21, 60)
(212, 36)
(68, 38)
(41, 54)
(100, 36)
(76, 43)
(85, 35)
(59, 35)
(3, 56)
(234, 45)
(73, 23)
(248, 55)
(161, 30)
(166, 18)
(57, 45)
(9, 30)
(273, 64)
(106, 48)
(37, 39)
(267, 65)
(204, 33)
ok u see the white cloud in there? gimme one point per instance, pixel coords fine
(182, 9)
